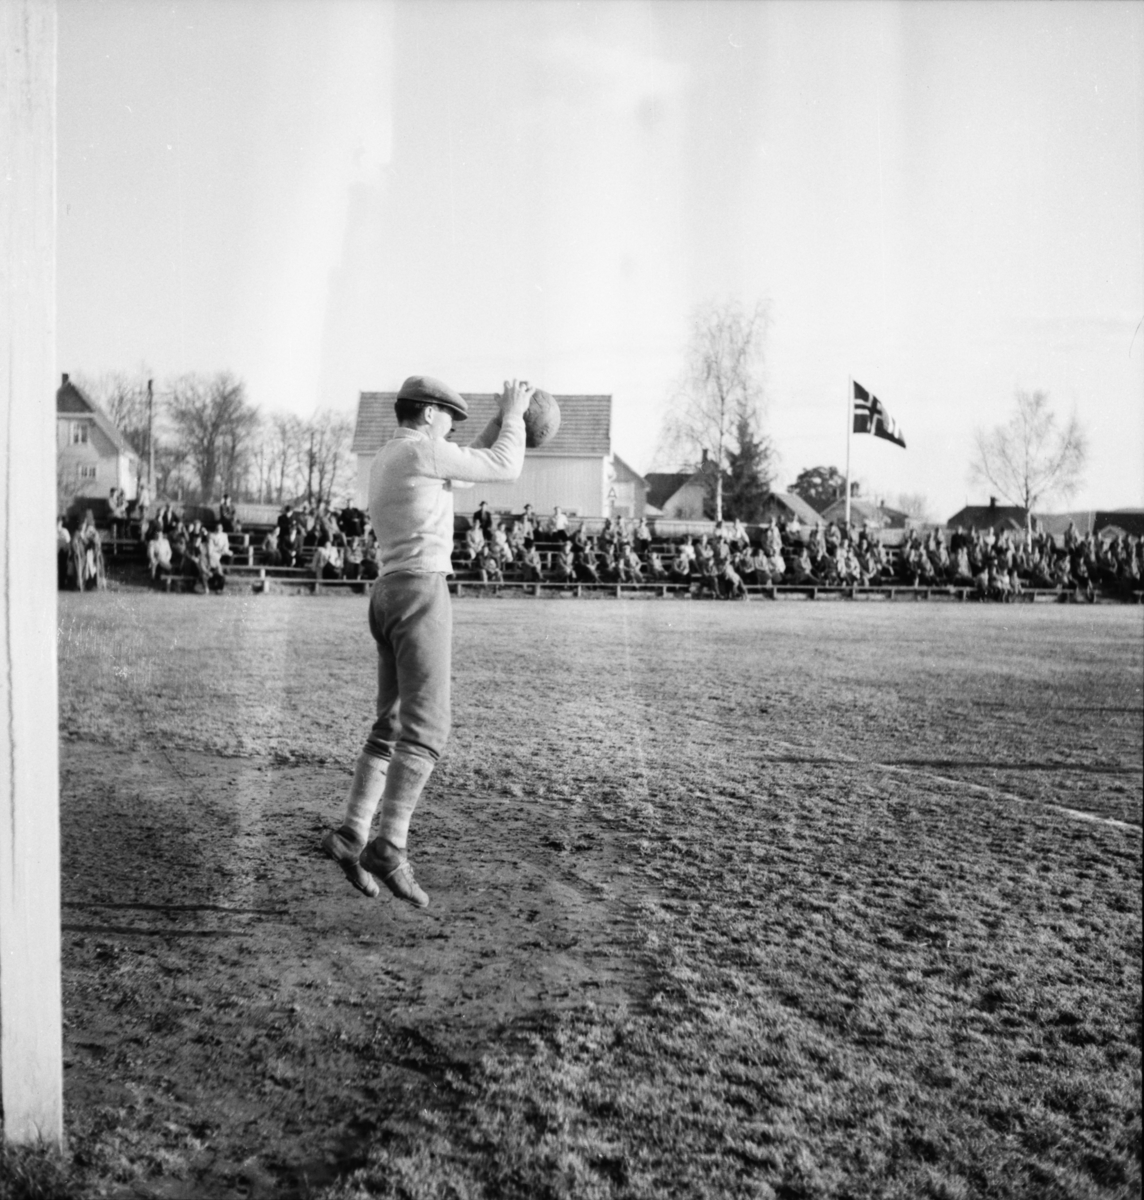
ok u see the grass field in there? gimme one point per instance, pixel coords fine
(794, 900)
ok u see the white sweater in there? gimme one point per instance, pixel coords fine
(411, 492)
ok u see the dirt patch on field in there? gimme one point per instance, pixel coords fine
(209, 942)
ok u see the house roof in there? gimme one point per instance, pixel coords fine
(662, 485)
(863, 510)
(585, 423)
(626, 474)
(798, 507)
(71, 401)
(982, 516)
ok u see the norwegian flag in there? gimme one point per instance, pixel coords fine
(870, 416)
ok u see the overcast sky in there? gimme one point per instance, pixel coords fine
(945, 201)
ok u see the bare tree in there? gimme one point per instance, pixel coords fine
(1031, 458)
(325, 453)
(916, 506)
(721, 387)
(284, 439)
(213, 426)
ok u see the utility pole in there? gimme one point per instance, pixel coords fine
(150, 439)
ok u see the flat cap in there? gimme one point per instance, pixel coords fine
(426, 390)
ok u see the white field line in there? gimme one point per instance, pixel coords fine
(1074, 813)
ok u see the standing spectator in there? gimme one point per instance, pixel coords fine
(63, 549)
(288, 537)
(642, 537)
(559, 524)
(228, 515)
(739, 539)
(117, 513)
(166, 518)
(483, 518)
(528, 526)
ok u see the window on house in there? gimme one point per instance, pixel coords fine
(85, 472)
(78, 432)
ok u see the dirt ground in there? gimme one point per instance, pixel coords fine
(622, 775)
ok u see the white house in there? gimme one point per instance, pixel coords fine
(576, 470)
(92, 456)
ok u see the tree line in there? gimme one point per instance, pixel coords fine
(206, 438)
(714, 422)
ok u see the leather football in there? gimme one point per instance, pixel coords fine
(541, 420)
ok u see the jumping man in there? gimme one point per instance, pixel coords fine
(410, 617)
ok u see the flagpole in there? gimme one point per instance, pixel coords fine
(849, 435)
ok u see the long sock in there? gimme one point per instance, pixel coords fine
(365, 795)
(407, 776)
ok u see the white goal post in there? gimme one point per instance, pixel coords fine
(31, 1057)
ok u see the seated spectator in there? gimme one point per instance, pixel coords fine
(681, 566)
(531, 566)
(369, 559)
(655, 568)
(801, 571)
(586, 569)
(159, 561)
(705, 566)
(565, 567)
(754, 566)
(474, 542)
(86, 568)
(606, 563)
(352, 558)
(194, 565)
(500, 545)
(488, 566)
(270, 555)
(622, 569)
(220, 545)
(730, 582)
(327, 558)
(210, 555)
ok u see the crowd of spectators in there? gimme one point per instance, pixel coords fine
(727, 562)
